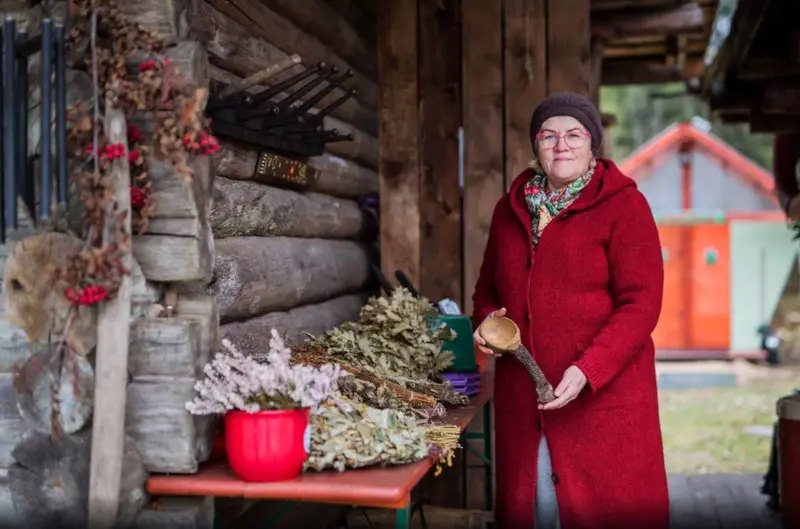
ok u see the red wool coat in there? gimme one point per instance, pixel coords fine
(590, 296)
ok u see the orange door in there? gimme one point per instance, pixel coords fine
(710, 287)
(671, 332)
(695, 313)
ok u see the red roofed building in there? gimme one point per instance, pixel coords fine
(727, 250)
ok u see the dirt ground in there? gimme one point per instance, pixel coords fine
(723, 429)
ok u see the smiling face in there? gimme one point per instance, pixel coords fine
(564, 150)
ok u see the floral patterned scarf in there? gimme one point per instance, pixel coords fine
(544, 205)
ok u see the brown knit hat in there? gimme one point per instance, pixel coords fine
(568, 104)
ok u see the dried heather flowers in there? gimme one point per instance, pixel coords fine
(238, 382)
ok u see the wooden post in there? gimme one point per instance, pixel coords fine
(569, 60)
(482, 114)
(440, 109)
(525, 77)
(108, 429)
(399, 158)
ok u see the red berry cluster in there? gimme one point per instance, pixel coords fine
(134, 134)
(110, 152)
(206, 145)
(87, 296)
(148, 64)
(138, 197)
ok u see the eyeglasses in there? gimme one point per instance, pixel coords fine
(575, 139)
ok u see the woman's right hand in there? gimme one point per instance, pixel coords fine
(480, 343)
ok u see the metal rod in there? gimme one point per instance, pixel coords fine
(61, 113)
(308, 132)
(269, 93)
(284, 103)
(10, 152)
(279, 121)
(246, 114)
(45, 200)
(4, 131)
(339, 137)
(333, 106)
(316, 98)
(29, 46)
(26, 183)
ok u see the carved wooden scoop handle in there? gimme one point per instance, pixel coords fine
(502, 336)
(543, 388)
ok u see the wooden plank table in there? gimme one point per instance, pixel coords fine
(389, 487)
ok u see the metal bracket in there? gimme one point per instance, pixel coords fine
(287, 125)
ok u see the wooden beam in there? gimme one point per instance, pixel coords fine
(602, 6)
(399, 160)
(525, 77)
(440, 108)
(317, 17)
(776, 97)
(774, 124)
(729, 58)
(569, 59)
(767, 68)
(624, 72)
(686, 18)
(596, 70)
(259, 20)
(363, 22)
(482, 100)
(113, 329)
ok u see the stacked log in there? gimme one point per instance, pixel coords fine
(221, 247)
(167, 347)
(295, 259)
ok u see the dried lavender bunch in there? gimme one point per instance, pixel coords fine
(238, 382)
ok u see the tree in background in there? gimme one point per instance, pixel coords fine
(643, 111)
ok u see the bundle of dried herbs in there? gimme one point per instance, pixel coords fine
(349, 435)
(398, 340)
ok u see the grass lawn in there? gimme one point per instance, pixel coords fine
(704, 428)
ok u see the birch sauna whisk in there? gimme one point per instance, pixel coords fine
(502, 336)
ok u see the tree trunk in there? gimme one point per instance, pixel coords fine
(257, 275)
(338, 177)
(50, 481)
(232, 49)
(253, 335)
(244, 208)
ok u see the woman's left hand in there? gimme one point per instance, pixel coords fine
(568, 389)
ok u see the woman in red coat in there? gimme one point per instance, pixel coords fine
(574, 258)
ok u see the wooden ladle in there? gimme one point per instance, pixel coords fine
(502, 336)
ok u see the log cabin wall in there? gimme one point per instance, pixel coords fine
(296, 260)
(167, 352)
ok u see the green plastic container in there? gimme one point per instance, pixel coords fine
(462, 347)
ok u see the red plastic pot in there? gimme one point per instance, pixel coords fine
(269, 445)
